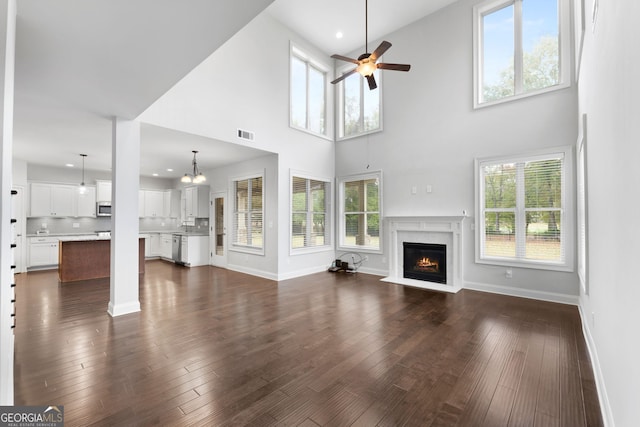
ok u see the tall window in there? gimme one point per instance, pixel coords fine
(309, 212)
(308, 93)
(360, 108)
(248, 214)
(521, 48)
(361, 212)
(522, 211)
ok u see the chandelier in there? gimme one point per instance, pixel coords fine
(196, 177)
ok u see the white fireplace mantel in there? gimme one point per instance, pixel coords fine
(426, 229)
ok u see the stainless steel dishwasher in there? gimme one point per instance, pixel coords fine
(176, 248)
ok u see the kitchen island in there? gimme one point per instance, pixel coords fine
(89, 259)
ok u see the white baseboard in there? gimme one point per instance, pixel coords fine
(605, 407)
(300, 273)
(121, 309)
(523, 293)
(252, 271)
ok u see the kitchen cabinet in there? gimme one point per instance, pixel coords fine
(151, 244)
(103, 191)
(166, 246)
(195, 250)
(197, 202)
(171, 201)
(43, 251)
(159, 203)
(153, 203)
(86, 203)
(53, 199)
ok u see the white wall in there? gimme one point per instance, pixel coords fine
(609, 91)
(432, 135)
(245, 84)
(219, 180)
(35, 172)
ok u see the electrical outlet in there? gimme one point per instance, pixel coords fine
(76, 225)
(509, 273)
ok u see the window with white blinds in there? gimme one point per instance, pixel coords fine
(248, 213)
(522, 213)
(309, 212)
(361, 212)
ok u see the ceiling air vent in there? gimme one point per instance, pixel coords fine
(246, 135)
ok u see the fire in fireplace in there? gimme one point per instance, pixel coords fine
(425, 261)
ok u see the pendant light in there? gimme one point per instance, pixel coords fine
(82, 189)
(197, 177)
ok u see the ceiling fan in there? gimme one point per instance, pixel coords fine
(366, 63)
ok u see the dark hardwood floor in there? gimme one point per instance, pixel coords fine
(215, 347)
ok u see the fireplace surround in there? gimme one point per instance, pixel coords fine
(430, 230)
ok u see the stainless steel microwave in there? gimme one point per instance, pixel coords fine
(103, 209)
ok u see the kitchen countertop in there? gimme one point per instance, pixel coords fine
(181, 233)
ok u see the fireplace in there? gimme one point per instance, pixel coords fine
(425, 261)
(444, 232)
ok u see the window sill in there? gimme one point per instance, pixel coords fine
(307, 131)
(359, 249)
(344, 138)
(537, 265)
(247, 250)
(560, 86)
(310, 250)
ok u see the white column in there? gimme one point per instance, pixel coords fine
(7, 65)
(125, 162)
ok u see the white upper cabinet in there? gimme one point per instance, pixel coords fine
(103, 191)
(86, 206)
(53, 199)
(153, 203)
(197, 202)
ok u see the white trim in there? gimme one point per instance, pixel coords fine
(232, 246)
(252, 271)
(522, 293)
(568, 210)
(341, 227)
(322, 67)
(603, 397)
(329, 213)
(122, 309)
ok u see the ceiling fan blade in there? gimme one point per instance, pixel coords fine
(344, 58)
(380, 50)
(372, 82)
(344, 76)
(397, 67)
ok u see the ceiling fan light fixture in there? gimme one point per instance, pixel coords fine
(367, 63)
(366, 68)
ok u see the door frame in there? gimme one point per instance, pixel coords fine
(217, 260)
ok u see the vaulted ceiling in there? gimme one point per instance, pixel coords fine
(81, 62)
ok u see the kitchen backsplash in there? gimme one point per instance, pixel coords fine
(92, 225)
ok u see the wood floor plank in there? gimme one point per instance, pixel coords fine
(217, 347)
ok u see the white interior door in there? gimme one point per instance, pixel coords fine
(19, 230)
(218, 230)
